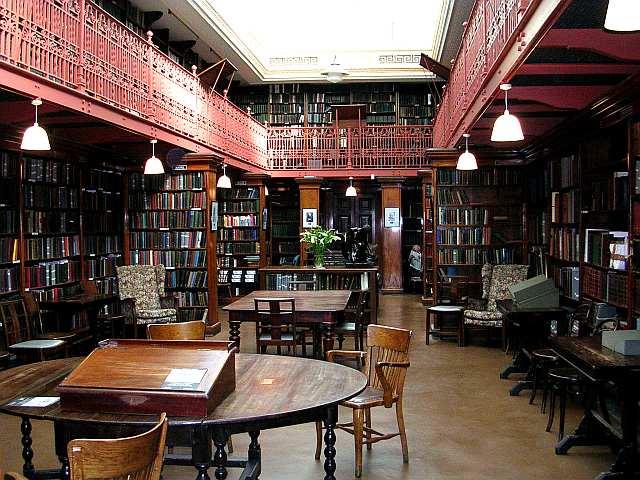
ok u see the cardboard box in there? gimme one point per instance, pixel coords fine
(626, 342)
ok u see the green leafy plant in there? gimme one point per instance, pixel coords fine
(318, 240)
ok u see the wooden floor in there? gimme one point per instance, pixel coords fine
(461, 423)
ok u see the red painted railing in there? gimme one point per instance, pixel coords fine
(79, 46)
(370, 147)
(492, 27)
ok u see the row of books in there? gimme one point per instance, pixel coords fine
(103, 179)
(567, 280)
(483, 176)
(452, 197)
(377, 119)
(168, 219)
(564, 244)
(416, 99)
(103, 266)
(8, 164)
(228, 262)
(186, 279)
(605, 248)
(101, 200)
(411, 238)
(464, 235)
(365, 97)
(177, 181)
(40, 221)
(8, 221)
(478, 256)
(290, 248)
(53, 294)
(102, 223)
(248, 234)
(415, 111)
(45, 196)
(287, 108)
(9, 192)
(285, 215)
(8, 250)
(192, 299)
(247, 206)
(284, 230)
(52, 247)
(463, 216)
(41, 170)
(240, 193)
(102, 245)
(317, 108)
(609, 286)
(174, 239)
(9, 279)
(234, 248)
(167, 200)
(415, 121)
(610, 193)
(537, 227)
(564, 207)
(249, 220)
(564, 173)
(328, 98)
(324, 280)
(170, 258)
(237, 276)
(259, 108)
(319, 118)
(51, 273)
(107, 285)
(287, 118)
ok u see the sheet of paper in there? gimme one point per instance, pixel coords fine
(184, 378)
(34, 401)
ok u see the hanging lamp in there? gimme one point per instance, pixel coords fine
(467, 160)
(506, 127)
(35, 137)
(224, 181)
(266, 191)
(351, 190)
(153, 165)
(335, 73)
(623, 16)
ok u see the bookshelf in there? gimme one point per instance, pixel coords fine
(428, 245)
(257, 100)
(10, 258)
(380, 101)
(168, 226)
(284, 244)
(319, 104)
(286, 105)
(412, 228)
(478, 219)
(415, 108)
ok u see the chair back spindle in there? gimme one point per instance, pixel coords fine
(387, 344)
(274, 316)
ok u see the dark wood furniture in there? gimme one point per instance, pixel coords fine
(386, 363)
(322, 307)
(177, 331)
(276, 325)
(355, 321)
(441, 327)
(329, 278)
(262, 400)
(134, 458)
(599, 366)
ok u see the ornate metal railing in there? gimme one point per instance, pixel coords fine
(491, 29)
(75, 44)
(370, 147)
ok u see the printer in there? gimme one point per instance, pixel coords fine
(536, 292)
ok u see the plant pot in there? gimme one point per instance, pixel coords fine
(318, 261)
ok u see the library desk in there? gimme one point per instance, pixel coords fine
(271, 392)
(323, 307)
(600, 366)
(530, 328)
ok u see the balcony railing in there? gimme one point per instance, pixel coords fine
(369, 147)
(491, 29)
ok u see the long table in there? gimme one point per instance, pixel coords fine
(322, 307)
(600, 365)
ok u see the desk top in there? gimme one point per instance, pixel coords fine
(328, 269)
(306, 301)
(507, 306)
(79, 300)
(269, 387)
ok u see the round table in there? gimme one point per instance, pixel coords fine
(271, 391)
(440, 311)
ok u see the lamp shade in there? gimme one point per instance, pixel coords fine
(467, 161)
(35, 138)
(335, 76)
(507, 128)
(153, 166)
(351, 191)
(224, 181)
(623, 16)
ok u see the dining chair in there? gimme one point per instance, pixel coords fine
(177, 331)
(386, 363)
(276, 325)
(133, 458)
(355, 321)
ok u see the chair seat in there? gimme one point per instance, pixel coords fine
(483, 318)
(56, 336)
(546, 355)
(565, 374)
(159, 315)
(37, 345)
(369, 397)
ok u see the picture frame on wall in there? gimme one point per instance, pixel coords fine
(214, 216)
(309, 217)
(391, 217)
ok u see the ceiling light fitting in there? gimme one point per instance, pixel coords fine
(224, 181)
(467, 160)
(35, 137)
(153, 165)
(351, 190)
(623, 16)
(506, 127)
(335, 73)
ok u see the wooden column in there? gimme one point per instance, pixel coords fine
(309, 198)
(389, 255)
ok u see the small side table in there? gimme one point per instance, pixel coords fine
(440, 313)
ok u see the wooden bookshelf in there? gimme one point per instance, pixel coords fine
(428, 245)
(286, 105)
(415, 107)
(284, 223)
(412, 228)
(10, 255)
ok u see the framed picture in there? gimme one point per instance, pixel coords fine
(214, 216)
(265, 218)
(391, 217)
(309, 217)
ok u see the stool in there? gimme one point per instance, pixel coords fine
(440, 312)
(561, 379)
(106, 326)
(541, 361)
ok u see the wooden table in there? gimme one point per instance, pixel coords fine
(323, 307)
(599, 365)
(271, 392)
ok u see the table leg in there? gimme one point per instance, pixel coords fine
(201, 452)
(62, 438)
(220, 456)
(428, 327)
(255, 454)
(589, 432)
(330, 442)
(328, 337)
(234, 332)
(28, 469)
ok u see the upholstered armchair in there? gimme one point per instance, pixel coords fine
(499, 278)
(481, 303)
(141, 289)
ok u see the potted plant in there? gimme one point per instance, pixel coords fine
(318, 240)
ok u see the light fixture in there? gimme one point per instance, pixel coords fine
(266, 191)
(335, 73)
(351, 190)
(623, 16)
(506, 127)
(467, 160)
(35, 137)
(153, 165)
(224, 181)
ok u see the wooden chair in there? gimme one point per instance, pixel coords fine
(276, 325)
(133, 458)
(18, 336)
(355, 322)
(35, 317)
(177, 331)
(386, 363)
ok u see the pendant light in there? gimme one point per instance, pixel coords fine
(35, 137)
(153, 165)
(623, 16)
(467, 160)
(335, 73)
(351, 190)
(266, 191)
(224, 181)
(506, 127)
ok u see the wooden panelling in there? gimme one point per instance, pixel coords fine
(391, 239)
